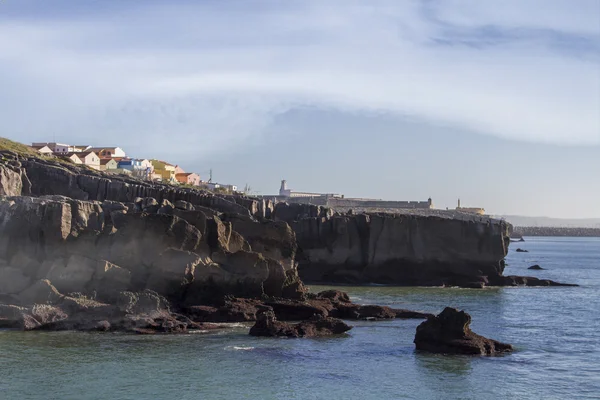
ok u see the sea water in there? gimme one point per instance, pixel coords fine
(555, 332)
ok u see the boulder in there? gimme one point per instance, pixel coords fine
(184, 205)
(449, 333)
(535, 267)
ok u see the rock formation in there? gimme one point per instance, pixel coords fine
(449, 333)
(415, 248)
(315, 326)
(77, 242)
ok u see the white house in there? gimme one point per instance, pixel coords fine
(108, 152)
(43, 149)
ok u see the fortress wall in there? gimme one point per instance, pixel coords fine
(376, 203)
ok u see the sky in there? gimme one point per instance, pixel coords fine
(496, 103)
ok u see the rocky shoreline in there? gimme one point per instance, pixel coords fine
(82, 250)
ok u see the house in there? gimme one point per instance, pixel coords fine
(108, 152)
(139, 167)
(179, 170)
(82, 148)
(165, 170)
(118, 171)
(57, 148)
(89, 158)
(73, 157)
(108, 164)
(188, 178)
(43, 149)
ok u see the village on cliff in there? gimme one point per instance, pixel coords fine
(114, 160)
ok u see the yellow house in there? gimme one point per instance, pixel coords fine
(165, 170)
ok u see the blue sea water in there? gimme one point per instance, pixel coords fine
(556, 333)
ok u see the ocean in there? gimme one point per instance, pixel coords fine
(555, 332)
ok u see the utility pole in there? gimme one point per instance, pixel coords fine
(210, 176)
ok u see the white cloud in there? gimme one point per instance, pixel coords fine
(220, 74)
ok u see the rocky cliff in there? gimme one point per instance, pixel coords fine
(412, 247)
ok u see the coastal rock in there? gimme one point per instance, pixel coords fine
(449, 333)
(537, 267)
(519, 250)
(316, 326)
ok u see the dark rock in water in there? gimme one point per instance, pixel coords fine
(513, 280)
(316, 326)
(449, 333)
(519, 250)
(535, 267)
(408, 314)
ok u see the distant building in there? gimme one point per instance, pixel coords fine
(59, 148)
(108, 152)
(43, 149)
(335, 200)
(188, 178)
(165, 170)
(179, 170)
(73, 157)
(88, 158)
(470, 210)
(108, 164)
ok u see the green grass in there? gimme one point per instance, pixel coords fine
(19, 148)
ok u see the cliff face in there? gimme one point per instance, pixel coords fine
(414, 248)
(105, 248)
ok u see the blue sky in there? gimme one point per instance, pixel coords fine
(494, 102)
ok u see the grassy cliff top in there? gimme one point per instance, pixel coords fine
(19, 148)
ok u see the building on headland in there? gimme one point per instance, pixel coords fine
(340, 201)
(165, 170)
(43, 149)
(73, 157)
(108, 152)
(470, 210)
(89, 158)
(108, 164)
(188, 178)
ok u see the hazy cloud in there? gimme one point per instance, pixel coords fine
(218, 72)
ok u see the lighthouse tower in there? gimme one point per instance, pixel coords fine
(283, 190)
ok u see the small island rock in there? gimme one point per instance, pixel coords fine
(449, 333)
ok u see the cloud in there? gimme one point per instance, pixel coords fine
(214, 74)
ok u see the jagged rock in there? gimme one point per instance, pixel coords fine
(40, 292)
(316, 326)
(184, 205)
(166, 207)
(535, 267)
(449, 333)
(10, 182)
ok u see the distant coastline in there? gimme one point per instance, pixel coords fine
(520, 231)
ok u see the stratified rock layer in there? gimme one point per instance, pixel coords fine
(414, 248)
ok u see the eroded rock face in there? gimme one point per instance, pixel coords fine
(429, 248)
(103, 248)
(316, 326)
(449, 333)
